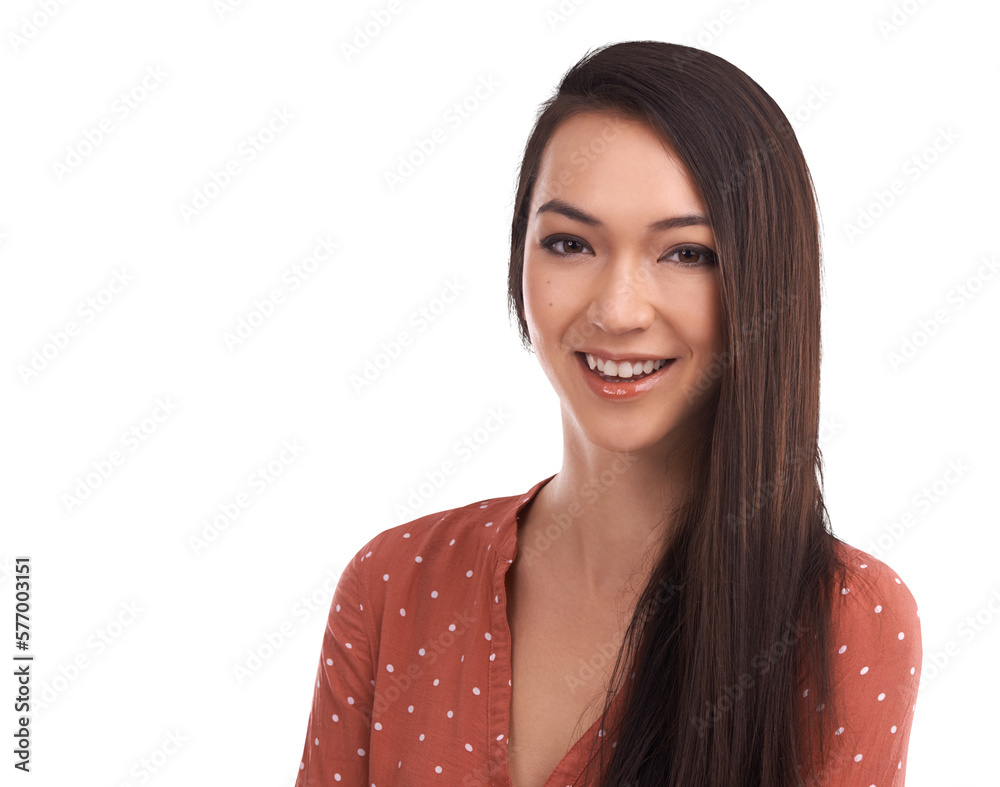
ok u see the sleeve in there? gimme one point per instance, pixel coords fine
(337, 738)
(877, 656)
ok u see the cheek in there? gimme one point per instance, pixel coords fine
(541, 303)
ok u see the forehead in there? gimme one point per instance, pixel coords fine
(601, 160)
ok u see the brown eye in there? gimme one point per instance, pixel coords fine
(569, 246)
(693, 256)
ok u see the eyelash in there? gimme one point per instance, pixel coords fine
(710, 257)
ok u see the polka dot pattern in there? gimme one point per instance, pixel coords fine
(876, 672)
(414, 673)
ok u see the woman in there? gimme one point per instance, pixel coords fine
(670, 608)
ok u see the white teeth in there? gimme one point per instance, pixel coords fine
(623, 369)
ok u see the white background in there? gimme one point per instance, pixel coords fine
(892, 77)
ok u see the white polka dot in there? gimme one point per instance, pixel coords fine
(336, 717)
(436, 681)
(421, 651)
(418, 559)
(452, 542)
(406, 535)
(912, 670)
(361, 752)
(302, 765)
(842, 648)
(329, 662)
(490, 636)
(898, 582)
(350, 700)
(336, 777)
(878, 608)
(451, 627)
(421, 737)
(385, 577)
(893, 730)
(839, 731)
(881, 696)
(348, 645)
(864, 670)
(468, 747)
(409, 709)
(500, 737)
(805, 693)
(901, 635)
(434, 594)
(338, 607)
(468, 573)
(857, 758)
(450, 714)
(475, 690)
(316, 741)
(844, 591)
(402, 612)
(437, 769)
(864, 565)
(378, 725)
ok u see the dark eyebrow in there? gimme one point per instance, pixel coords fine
(564, 208)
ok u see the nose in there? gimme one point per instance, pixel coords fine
(621, 301)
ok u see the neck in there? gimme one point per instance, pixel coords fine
(600, 525)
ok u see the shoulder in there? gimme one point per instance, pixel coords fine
(441, 548)
(871, 595)
(875, 626)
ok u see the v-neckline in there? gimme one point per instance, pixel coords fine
(562, 770)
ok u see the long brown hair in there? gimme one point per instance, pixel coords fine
(734, 620)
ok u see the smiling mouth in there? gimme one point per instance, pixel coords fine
(634, 378)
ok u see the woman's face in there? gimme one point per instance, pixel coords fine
(619, 263)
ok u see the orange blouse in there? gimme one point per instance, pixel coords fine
(414, 678)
